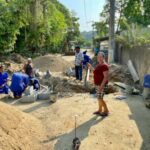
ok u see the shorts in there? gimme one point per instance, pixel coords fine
(100, 95)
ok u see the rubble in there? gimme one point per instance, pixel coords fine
(118, 73)
(70, 72)
(64, 84)
(133, 72)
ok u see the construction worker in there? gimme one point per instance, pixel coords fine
(28, 68)
(86, 60)
(100, 81)
(3, 80)
(35, 83)
(19, 83)
(78, 63)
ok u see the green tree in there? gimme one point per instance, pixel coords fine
(36, 25)
(101, 28)
(12, 18)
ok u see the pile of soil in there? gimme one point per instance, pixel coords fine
(19, 130)
(13, 63)
(65, 84)
(17, 58)
(12, 67)
(52, 63)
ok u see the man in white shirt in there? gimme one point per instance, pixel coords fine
(78, 63)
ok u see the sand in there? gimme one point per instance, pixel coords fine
(19, 130)
(53, 63)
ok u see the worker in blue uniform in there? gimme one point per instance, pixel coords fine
(19, 83)
(4, 89)
(86, 60)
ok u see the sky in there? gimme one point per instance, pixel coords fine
(86, 10)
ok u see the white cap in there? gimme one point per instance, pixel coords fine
(29, 59)
(1, 65)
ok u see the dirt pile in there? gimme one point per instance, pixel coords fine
(118, 73)
(12, 67)
(65, 85)
(19, 130)
(17, 58)
(13, 63)
(52, 63)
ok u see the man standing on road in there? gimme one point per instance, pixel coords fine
(87, 59)
(78, 63)
(100, 81)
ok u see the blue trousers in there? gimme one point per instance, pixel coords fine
(4, 90)
(78, 72)
(18, 93)
(35, 83)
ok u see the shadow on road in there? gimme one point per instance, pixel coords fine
(42, 103)
(64, 141)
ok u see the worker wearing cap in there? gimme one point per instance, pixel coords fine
(78, 63)
(86, 60)
(28, 68)
(3, 80)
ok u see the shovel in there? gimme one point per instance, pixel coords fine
(76, 141)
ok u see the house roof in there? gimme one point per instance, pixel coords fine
(106, 38)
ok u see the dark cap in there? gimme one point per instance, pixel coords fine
(85, 52)
(77, 47)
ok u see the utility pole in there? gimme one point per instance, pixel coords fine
(111, 31)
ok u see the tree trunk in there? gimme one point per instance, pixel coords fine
(111, 32)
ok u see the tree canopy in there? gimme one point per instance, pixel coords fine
(35, 25)
(128, 12)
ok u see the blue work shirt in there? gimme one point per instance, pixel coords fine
(86, 60)
(3, 78)
(19, 82)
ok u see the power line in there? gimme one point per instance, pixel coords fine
(85, 11)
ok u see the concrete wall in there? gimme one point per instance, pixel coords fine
(140, 56)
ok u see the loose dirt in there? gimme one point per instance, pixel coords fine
(53, 63)
(126, 127)
(19, 130)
